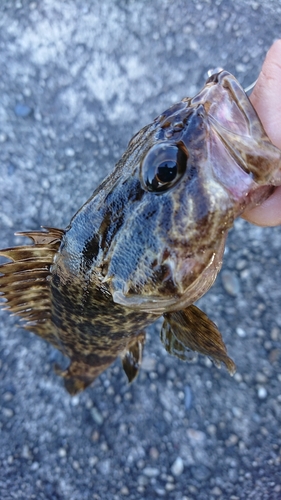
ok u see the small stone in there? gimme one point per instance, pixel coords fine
(96, 416)
(268, 345)
(181, 395)
(230, 283)
(7, 396)
(211, 24)
(75, 401)
(104, 467)
(201, 472)
(95, 436)
(237, 412)
(93, 461)
(274, 355)
(192, 489)
(75, 465)
(241, 68)
(261, 378)
(171, 374)
(212, 430)
(238, 377)
(89, 404)
(6, 220)
(62, 452)
(27, 92)
(187, 397)
(170, 486)
(26, 453)
(255, 5)
(142, 480)
(151, 471)
(45, 184)
(154, 453)
(7, 412)
(195, 436)
(110, 391)
(148, 364)
(124, 490)
(216, 491)
(274, 334)
(241, 264)
(262, 392)
(22, 110)
(104, 447)
(167, 416)
(244, 274)
(69, 152)
(169, 478)
(240, 332)
(232, 440)
(160, 492)
(177, 467)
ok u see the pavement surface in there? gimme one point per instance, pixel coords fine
(78, 79)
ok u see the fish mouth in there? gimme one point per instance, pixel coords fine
(235, 123)
(236, 144)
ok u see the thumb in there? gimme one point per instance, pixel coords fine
(266, 99)
(266, 96)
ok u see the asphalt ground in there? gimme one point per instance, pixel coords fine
(78, 79)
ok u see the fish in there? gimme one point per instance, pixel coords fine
(150, 240)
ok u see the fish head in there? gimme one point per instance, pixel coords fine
(161, 219)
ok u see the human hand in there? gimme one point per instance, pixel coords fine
(266, 99)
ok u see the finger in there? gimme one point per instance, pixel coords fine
(266, 99)
(268, 213)
(266, 96)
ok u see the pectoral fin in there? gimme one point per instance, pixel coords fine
(191, 329)
(131, 359)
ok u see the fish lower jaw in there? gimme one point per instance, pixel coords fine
(155, 304)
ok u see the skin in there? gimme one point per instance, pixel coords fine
(266, 99)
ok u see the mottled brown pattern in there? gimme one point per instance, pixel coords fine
(149, 241)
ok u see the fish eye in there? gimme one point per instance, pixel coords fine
(162, 167)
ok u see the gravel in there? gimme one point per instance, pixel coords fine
(78, 79)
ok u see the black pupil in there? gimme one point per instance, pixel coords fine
(163, 166)
(167, 171)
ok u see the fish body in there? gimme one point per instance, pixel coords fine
(150, 240)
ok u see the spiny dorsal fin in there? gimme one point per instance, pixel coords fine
(24, 284)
